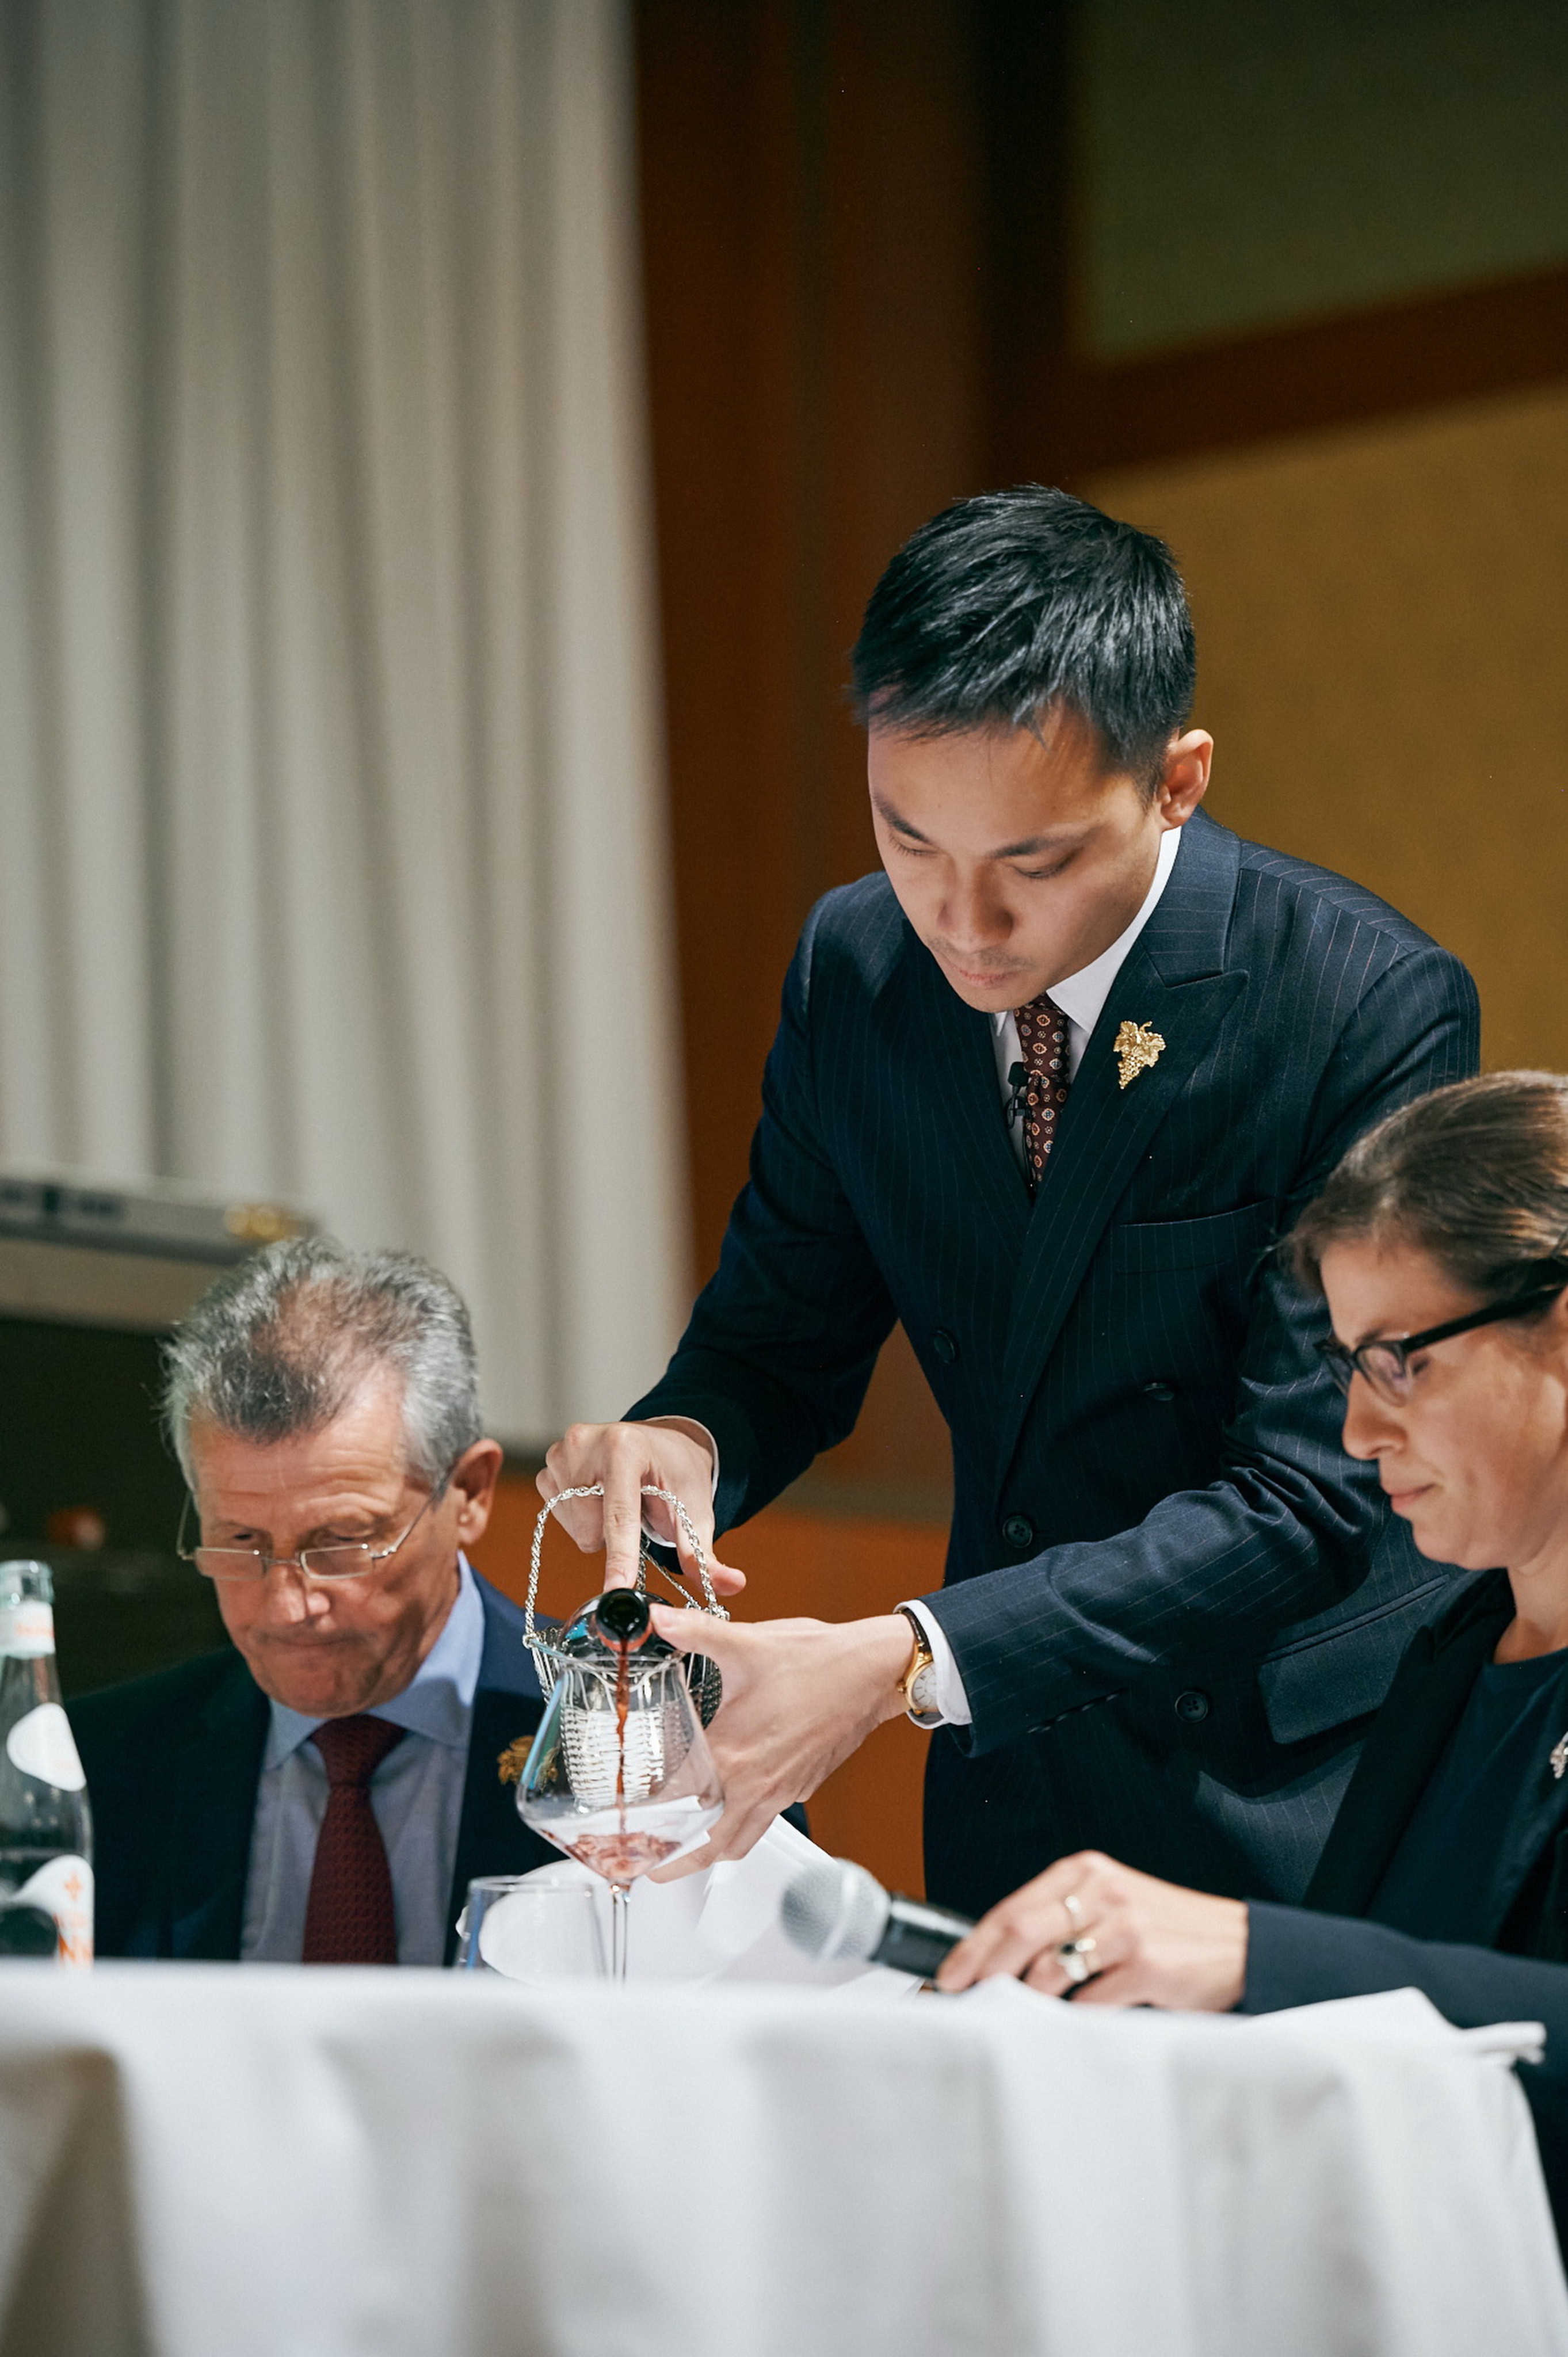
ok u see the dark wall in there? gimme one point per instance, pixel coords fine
(810, 201)
(79, 1429)
(812, 205)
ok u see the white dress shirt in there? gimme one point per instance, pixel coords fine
(1083, 994)
(416, 1794)
(1081, 999)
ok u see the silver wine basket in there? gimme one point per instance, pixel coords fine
(702, 1675)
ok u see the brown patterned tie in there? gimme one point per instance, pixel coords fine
(349, 1916)
(1042, 1034)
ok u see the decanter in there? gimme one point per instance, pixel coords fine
(620, 1774)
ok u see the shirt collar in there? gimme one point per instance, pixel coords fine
(438, 1701)
(1082, 996)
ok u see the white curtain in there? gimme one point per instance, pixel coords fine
(332, 862)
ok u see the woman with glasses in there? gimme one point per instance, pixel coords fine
(1440, 1244)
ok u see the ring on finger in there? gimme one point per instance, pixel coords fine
(1074, 1955)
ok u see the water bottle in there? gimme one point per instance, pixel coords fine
(46, 1828)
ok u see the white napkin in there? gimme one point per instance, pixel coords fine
(1404, 2017)
(1410, 2016)
(722, 1924)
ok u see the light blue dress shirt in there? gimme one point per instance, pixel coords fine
(416, 1794)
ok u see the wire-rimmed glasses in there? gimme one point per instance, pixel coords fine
(1384, 1364)
(347, 1560)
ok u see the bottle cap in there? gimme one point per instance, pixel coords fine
(26, 1609)
(22, 1580)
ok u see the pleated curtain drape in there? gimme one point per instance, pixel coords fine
(332, 856)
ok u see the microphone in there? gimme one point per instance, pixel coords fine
(834, 1911)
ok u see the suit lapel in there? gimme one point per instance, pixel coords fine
(959, 1046)
(212, 1810)
(1174, 982)
(1424, 1706)
(491, 1836)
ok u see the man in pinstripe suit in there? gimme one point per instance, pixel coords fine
(1047, 1090)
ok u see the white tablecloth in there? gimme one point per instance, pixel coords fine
(202, 2161)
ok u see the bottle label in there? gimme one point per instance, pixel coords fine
(27, 1627)
(42, 1744)
(63, 1889)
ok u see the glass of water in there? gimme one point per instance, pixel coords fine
(530, 1929)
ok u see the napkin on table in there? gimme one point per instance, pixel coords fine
(721, 1925)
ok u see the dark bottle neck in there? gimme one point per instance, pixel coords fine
(622, 1618)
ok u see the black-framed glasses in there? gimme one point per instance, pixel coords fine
(1386, 1364)
(349, 1561)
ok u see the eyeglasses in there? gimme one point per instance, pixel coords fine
(1385, 1365)
(317, 1563)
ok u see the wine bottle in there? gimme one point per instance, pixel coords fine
(46, 1825)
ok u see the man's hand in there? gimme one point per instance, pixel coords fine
(1154, 1944)
(800, 1697)
(670, 1455)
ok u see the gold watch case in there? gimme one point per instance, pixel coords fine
(917, 1684)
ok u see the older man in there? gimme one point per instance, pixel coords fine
(324, 1793)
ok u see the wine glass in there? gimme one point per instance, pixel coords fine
(620, 1775)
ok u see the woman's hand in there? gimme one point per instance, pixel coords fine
(1141, 1942)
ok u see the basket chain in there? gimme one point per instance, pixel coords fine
(645, 1562)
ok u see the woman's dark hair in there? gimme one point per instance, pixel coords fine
(1475, 1176)
(1013, 603)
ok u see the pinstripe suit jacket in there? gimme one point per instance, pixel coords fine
(1171, 1598)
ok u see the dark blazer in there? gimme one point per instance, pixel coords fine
(1171, 1597)
(1297, 1957)
(173, 1762)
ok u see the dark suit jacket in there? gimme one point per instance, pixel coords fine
(172, 1762)
(1297, 1957)
(1171, 1595)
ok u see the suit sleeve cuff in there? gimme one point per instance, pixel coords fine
(951, 1700)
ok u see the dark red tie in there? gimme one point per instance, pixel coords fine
(349, 1916)
(1042, 1034)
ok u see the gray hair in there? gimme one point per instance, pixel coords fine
(280, 1344)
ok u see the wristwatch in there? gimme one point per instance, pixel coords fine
(919, 1683)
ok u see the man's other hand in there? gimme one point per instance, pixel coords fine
(800, 1697)
(671, 1454)
(1141, 1942)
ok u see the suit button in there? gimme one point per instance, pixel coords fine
(1159, 1391)
(1192, 1705)
(1019, 1532)
(945, 1346)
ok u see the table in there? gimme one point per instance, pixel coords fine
(206, 2161)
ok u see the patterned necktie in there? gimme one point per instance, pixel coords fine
(1042, 1034)
(349, 1916)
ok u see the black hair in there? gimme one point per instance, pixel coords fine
(1015, 602)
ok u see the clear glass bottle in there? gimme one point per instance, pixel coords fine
(46, 1827)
